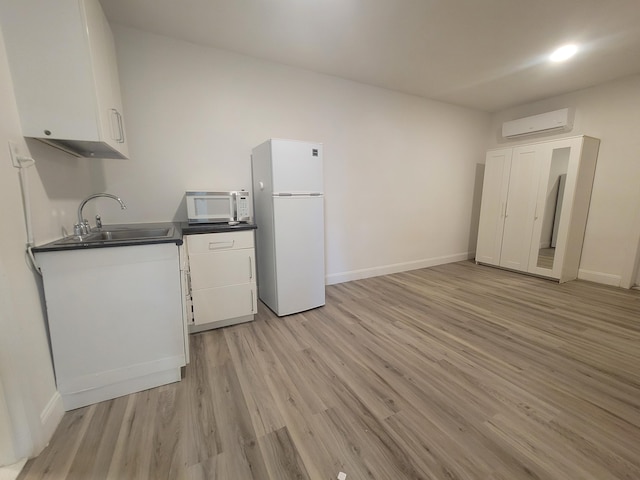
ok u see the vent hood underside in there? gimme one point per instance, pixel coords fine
(84, 149)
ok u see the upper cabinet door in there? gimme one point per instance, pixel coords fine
(494, 201)
(107, 83)
(65, 76)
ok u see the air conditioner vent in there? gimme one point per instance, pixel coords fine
(558, 120)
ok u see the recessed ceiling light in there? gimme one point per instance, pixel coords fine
(563, 53)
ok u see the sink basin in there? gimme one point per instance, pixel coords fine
(118, 235)
(132, 234)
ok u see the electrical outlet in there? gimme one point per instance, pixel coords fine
(13, 148)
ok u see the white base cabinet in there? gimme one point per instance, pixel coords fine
(115, 320)
(535, 202)
(222, 279)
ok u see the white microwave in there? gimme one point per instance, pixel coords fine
(218, 207)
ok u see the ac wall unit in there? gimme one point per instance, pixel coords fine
(558, 120)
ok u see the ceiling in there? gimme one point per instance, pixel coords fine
(483, 54)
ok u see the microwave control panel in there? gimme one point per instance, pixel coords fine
(243, 207)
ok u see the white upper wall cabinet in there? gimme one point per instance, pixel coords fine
(535, 201)
(65, 77)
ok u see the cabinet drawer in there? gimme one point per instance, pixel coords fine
(217, 269)
(215, 242)
(217, 304)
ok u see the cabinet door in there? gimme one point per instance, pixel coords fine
(224, 303)
(520, 209)
(51, 68)
(123, 326)
(218, 269)
(107, 83)
(494, 199)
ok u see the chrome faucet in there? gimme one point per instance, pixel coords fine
(83, 227)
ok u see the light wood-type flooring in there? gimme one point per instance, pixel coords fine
(454, 372)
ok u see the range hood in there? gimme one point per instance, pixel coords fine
(84, 149)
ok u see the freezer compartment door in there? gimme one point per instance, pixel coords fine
(297, 167)
(299, 252)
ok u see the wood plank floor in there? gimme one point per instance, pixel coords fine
(454, 372)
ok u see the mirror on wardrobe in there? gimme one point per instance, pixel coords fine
(553, 207)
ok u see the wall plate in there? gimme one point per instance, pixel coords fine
(13, 149)
(19, 161)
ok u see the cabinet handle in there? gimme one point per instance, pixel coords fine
(252, 301)
(120, 127)
(535, 213)
(120, 137)
(220, 245)
(506, 207)
(250, 269)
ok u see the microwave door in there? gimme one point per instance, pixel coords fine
(213, 209)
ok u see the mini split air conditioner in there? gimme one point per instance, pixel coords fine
(558, 120)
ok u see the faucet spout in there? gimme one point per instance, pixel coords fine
(82, 224)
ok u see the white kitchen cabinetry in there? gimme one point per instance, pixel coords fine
(222, 278)
(115, 320)
(535, 201)
(65, 77)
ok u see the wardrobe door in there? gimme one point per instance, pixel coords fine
(564, 193)
(520, 209)
(552, 205)
(494, 199)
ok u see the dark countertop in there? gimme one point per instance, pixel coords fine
(175, 237)
(195, 228)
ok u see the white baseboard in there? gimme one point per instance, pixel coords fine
(11, 472)
(51, 415)
(599, 277)
(223, 323)
(73, 400)
(334, 278)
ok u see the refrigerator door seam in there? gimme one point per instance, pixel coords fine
(306, 194)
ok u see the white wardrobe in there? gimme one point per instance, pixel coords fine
(535, 202)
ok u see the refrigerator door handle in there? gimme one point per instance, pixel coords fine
(300, 194)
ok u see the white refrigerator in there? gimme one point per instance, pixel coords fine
(289, 212)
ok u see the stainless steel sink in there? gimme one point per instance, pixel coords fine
(119, 234)
(107, 235)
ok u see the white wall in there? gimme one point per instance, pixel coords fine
(401, 171)
(58, 182)
(608, 112)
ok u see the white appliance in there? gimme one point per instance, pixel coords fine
(289, 213)
(558, 120)
(218, 207)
